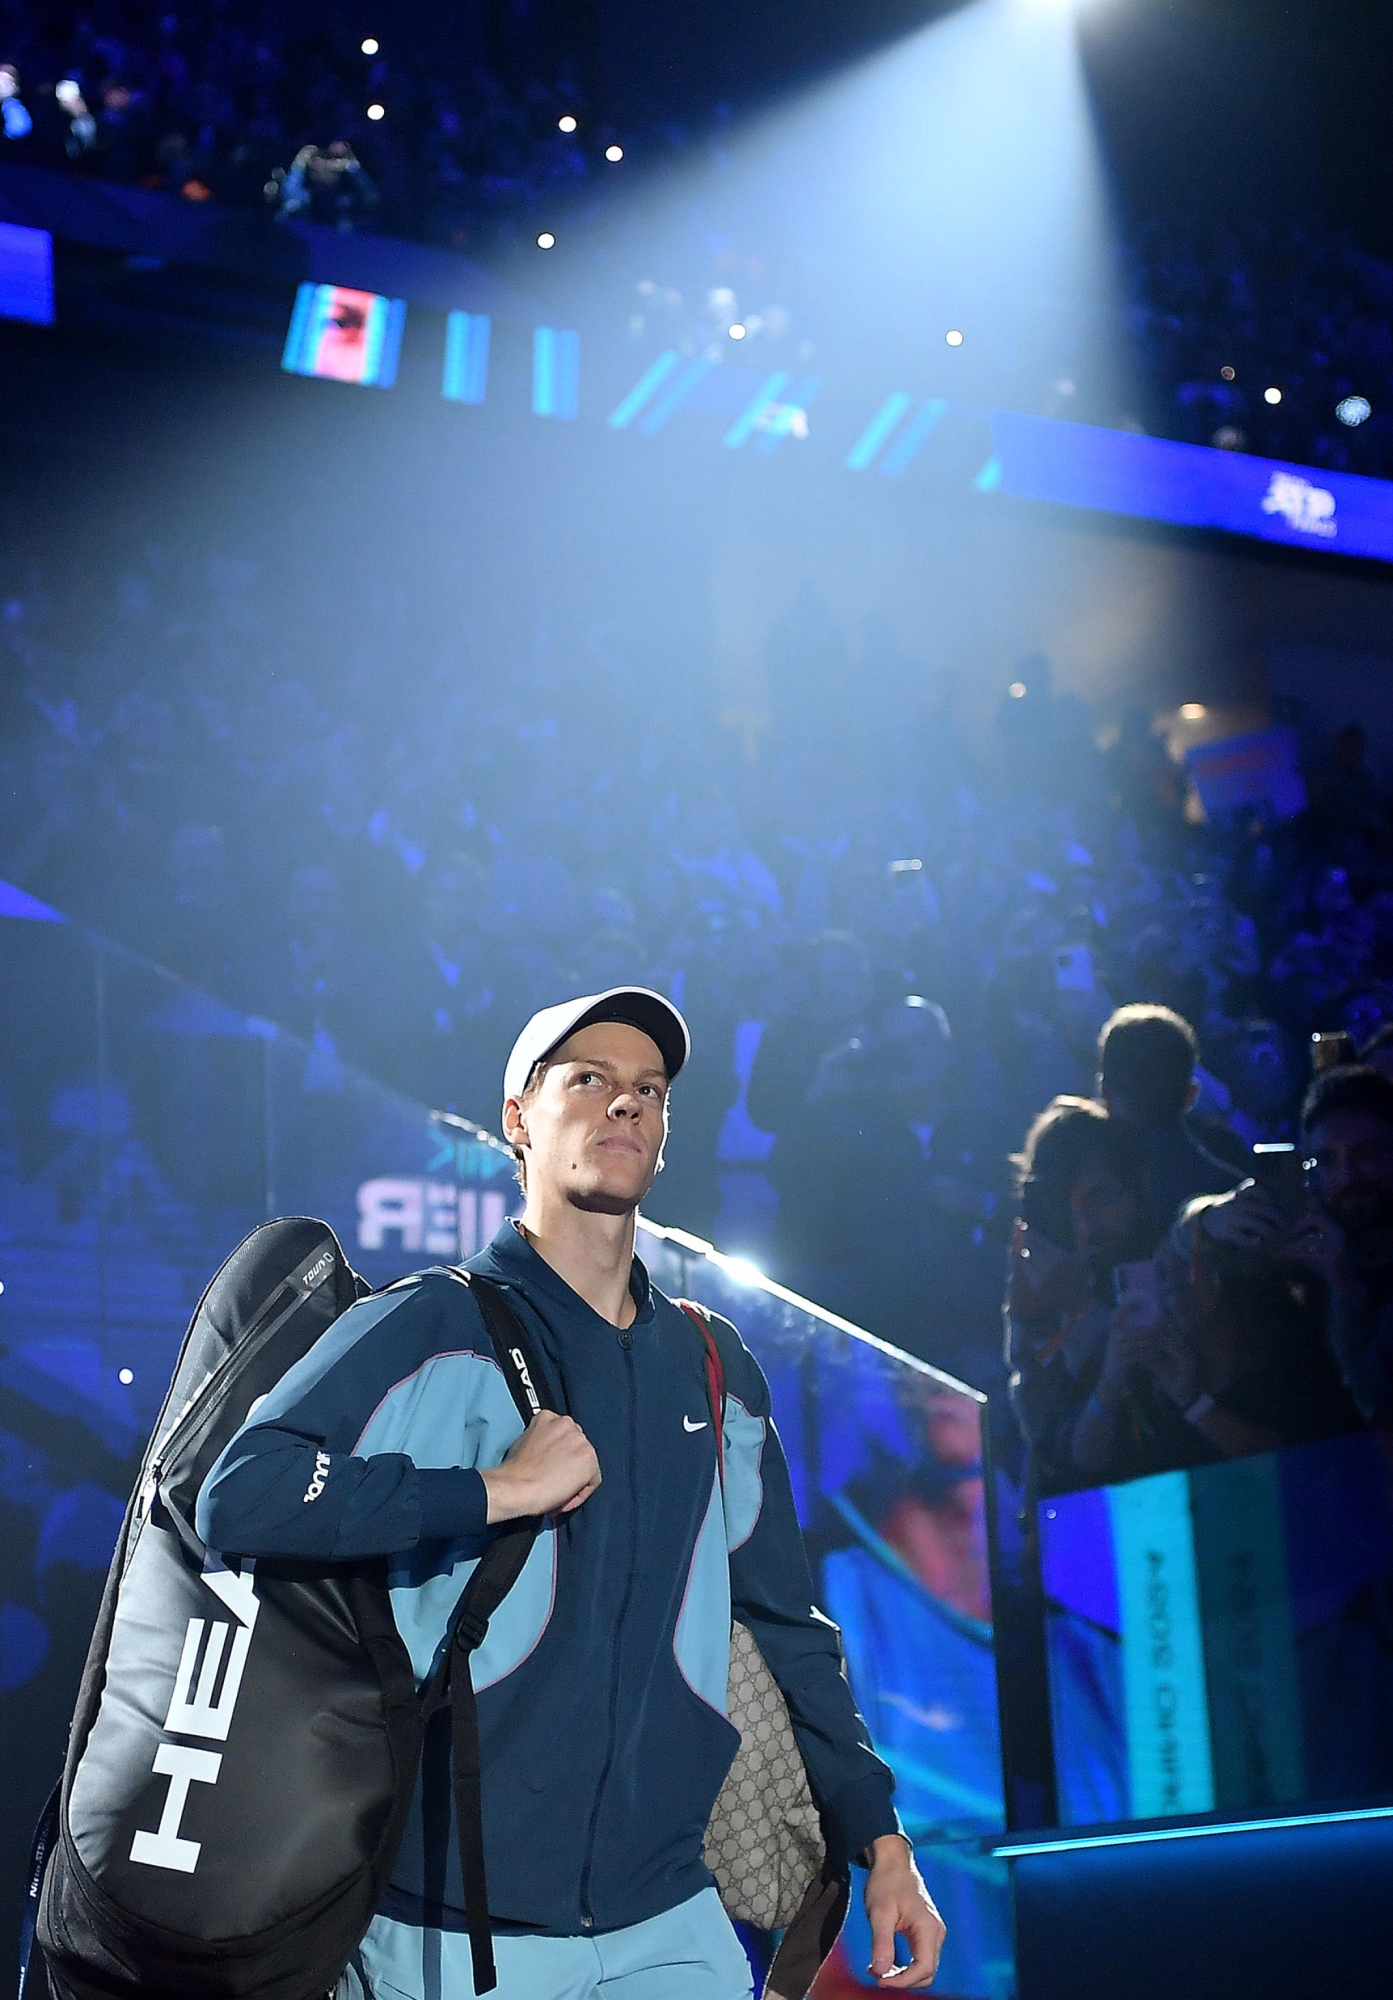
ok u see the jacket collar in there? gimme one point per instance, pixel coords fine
(512, 1259)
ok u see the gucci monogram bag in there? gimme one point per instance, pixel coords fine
(764, 1840)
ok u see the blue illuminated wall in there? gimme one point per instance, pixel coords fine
(26, 274)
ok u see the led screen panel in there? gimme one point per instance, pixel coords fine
(345, 336)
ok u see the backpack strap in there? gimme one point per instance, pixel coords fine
(32, 1982)
(715, 1378)
(498, 1570)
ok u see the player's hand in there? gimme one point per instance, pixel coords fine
(551, 1469)
(897, 1901)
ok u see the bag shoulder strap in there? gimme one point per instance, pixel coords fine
(502, 1563)
(498, 1570)
(715, 1377)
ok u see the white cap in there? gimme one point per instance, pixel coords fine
(638, 1006)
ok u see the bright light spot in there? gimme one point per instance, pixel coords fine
(736, 332)
(125, 1376)
(67, 92)
(1272, 396)
(614, 152)
(371, 46)
(1354, 410)
(566, 123)
(743, 1271)
(546, 241)
(953, 337)
(1229, 374)
(376, 111)
(1193, 711)
(1017, 690)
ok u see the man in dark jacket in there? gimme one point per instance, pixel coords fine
(601, 1682)
(1146, 1078)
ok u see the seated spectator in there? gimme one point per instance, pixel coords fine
(15, 121)
(1346, 798)
(1146, 1080)
(1085, 1207)
(1233, 1341)
(81, 134)
(329, 186)
(1256, 1066)
(831, 988)
(1347, 1234)
(1342, 1232)
(1146, 784)
(856, 1214)
(1377, 1052)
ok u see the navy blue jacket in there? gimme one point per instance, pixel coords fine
(602, 1680)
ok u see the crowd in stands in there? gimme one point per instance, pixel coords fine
(886, 983)
(1226, 318)
(1174, 1299)
(1249, 338)
(252, 106)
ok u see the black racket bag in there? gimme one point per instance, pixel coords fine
(246, 1737)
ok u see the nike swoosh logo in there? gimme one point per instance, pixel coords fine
(688, 1425)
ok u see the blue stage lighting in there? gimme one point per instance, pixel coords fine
(647, 385)
(675, 395)
(555, 373)
(1354, 410)
(863, 452)
(913, 437)
(749, 417)
(466, 357)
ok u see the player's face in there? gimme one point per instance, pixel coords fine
(593, 1131)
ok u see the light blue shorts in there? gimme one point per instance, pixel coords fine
(690, 1953)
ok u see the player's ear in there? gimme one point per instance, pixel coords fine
(514, 1121)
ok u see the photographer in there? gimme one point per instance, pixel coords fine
(1346, 1235)
(1084, 1208)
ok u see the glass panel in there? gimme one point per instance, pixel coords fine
(1217, 1640)
(146, 1128)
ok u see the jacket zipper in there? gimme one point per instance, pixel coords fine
(587, 1918)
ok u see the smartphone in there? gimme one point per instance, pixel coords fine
(1332, 1050)
(1073, 969)
(1138, 1286)
(1281, 1169)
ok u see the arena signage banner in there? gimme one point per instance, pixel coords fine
(1192, 485)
